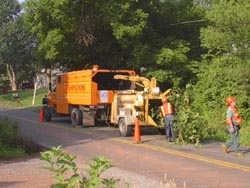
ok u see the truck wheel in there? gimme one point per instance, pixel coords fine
(76, 117)
(125, 130)
(47, 116)
(96, 118)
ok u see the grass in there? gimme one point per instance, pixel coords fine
(8, 152)
(12, 144)
(26, 98)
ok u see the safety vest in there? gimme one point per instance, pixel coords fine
(236, 117)
(167, 109)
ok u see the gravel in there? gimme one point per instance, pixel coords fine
(27, 173)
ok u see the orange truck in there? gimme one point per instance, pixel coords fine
(86, 95)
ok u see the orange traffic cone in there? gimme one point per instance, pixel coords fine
(137, 132)
(41, 115)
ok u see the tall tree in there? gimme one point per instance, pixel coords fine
(229, 30)
(64, 30)
(8, 28)
(118, 34)
(225, 70)
(157, 36)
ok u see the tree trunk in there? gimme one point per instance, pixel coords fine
(12, 77)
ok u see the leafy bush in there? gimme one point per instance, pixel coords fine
(245, 135)
(12, 144)
(62, 164)
(10, 133)
(219, 78)
(216, 83)
(190, 127)
(218, 133)
(10, 152)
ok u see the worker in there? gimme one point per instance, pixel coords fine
(233, 121)
(167, 113)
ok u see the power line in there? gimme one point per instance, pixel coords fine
(187, 22)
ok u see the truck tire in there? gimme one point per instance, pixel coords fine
(96, 118)
(124, 130)
(76, 117)
(98, 121)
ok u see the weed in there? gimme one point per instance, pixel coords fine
(62, 164)
(12, 144)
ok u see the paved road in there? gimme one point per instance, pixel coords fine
(143, 165)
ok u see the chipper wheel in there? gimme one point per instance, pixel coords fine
(125, 130)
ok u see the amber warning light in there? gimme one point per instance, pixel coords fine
(95, 68)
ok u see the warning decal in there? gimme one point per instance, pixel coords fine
(103, 96)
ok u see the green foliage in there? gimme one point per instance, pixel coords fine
(51, 43)
(117, 34)
(224, 70)
(128, 23)
(49, 25)
(9, 129)
(15, 42)
(11, 141)
(7, 152)
(226, 73)
(173, 61)
(65, 31)
(245, 135)
(168, 55)
(9, 9)
(12, 144)
(190, 127)
(223, 77)
(61, 163)
(154, 112)
(228, 30)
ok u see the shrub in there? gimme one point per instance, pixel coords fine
(10, 140)
(10, 152)
(62, 164)
(219, 78)
(190, 127)
(12, 143)
(245, 135)
(10, 134)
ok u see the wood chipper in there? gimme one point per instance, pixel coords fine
(143, 102)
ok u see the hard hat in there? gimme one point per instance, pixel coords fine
(164, 99)
(229, 100)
